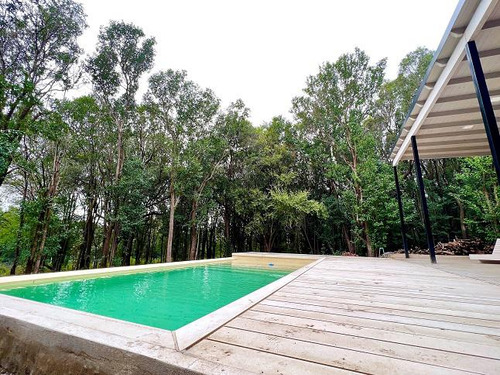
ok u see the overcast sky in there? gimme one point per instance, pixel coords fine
(262, 51)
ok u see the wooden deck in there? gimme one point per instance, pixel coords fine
(370, 316)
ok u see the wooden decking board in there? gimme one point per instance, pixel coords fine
(391, 279)
(387, 317)
(261, 362)
(366, 345)
(406, 293)
(464, 292)
(465, 337)
(371, 272)
(376, 297)
(372, 316)
(353, 360)
(437, 343)
(401, 282)
(439, 313)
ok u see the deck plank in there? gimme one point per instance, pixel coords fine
(387, 291)
(366, 345)
(328, 355)
(450, 313)
(431, 342)
(385, 317)
(421, 331)
(261, 362)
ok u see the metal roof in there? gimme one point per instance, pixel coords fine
(445, 115)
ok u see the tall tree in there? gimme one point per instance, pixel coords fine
(184, 111)
(123, 54)
(38, 49)
(334, 111)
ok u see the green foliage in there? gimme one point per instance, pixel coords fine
(9, 222)
(38, 45)
(292, 208)
(476, 187)
(123, 55)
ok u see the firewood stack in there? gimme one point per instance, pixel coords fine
(456, 247)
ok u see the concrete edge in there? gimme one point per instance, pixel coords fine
(25, 346)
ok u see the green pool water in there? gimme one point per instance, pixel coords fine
(163, 299)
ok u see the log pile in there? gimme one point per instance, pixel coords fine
(456, 247)
(348, 254)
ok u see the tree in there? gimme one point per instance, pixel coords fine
(234, 127)
(184, 111)
(123, 54)
(334, 111)
(476, 190)
(395, 98)
(38, 49)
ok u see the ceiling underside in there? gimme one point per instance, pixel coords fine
(445, 117)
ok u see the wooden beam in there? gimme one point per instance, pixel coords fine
(464, 133)
(462, 80)
(449, 147)
(488, 25)
(447, 142)
(454, 124)
(446, 154)
(462, 111)
(457, 98)
(486, 53)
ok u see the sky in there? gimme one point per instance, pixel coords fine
(262, 51)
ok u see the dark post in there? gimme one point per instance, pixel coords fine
(483, 97)
(427, 223)
(401, 214)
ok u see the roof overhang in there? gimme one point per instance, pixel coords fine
(445, 115)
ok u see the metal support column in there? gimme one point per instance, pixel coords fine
(401, 213)
(425, 210)
(483, 97)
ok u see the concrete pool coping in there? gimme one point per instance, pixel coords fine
(159, 344)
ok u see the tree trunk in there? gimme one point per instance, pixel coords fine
(227, 230)
(54, 183)
(88, 236)
(347, 238)
(61, 255)
(128, 250)
(204, 239)
(463, 228)
(114, 243)
(69, 209)
(367, 240)
(171, 222)
(194, 231)
(108, 228)
(17, 251)
(211, 244)
(162, 249)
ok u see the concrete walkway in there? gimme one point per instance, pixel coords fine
(371, 316)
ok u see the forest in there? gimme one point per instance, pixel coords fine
(114, 178)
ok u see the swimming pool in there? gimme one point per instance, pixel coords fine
(39, 332)
(167, 299)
